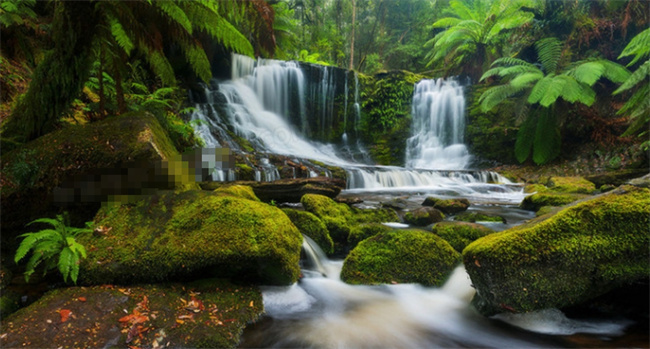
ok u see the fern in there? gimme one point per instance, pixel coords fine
(638, 47)
(48, 243)
(549, 51)
(495, 95)
(547, 142)
(525, 136)
(588, 73)
(639, 75)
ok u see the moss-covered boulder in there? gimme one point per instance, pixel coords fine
(84, 164)
(311, 226)
(460, 234)
(565, 259)
(400, 256)
(423, 216)
(361, 232)
(474, 217)
(576, 185)
(206, 314)
(447, 206)
(189, 235)
(616, 178)
(340, 218)
(536, 201)
(241, 191)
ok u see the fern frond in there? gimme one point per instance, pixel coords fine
(525, 79)
(547, 143)
(160, 65)
(519, 69)
(639, 47)
(198, 60)
(508, 61)
(516, 20)
(31, 240)
(490, 73)
(614, 72)
(56, 223)
(588, 73)
(67, 259)
(553, 91)
(525, 136)
(175, 13)
(461, 10)
(120, 35)
(539, 90)
(641, 74)
(549, 51)
(446, 22)
(497, 94)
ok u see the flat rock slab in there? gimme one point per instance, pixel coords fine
(288, 190)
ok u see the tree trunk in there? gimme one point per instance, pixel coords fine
(354, 15)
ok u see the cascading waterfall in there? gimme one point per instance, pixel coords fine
(438, 112)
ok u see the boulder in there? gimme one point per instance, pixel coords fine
(400, 256)
(192, 234)
(564, 259)
(396, 203)
(205, 314)
(536, 201)
(361, 232)
(340, 218)
(447, 206)
(616, 178)
(310, 225)
(574, 185)
(241, 191)
(423, 216)
(460, 234)
(474, 217)
(81, 166)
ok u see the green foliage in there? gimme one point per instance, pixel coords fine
(57, 248)
(24, 169)
(638, 105)
(476, 32)
(14, 12)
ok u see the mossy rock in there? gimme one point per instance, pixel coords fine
(536, 201)
(564, 259)
(361, 232)
(474, 217)
(240, 191)
(339, 218)
(545, 210)
(9, 302)
(179, 236)
(447, 206)
(575, 185)
(400, 256)
(206, 314)
(244, 172)
(535, 188)
(616, 178)
(423, 216)
(460, 234)
(81, 165)
(311, 226)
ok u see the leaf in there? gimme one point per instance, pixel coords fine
(65, 314)
(589, 72)
(547, 141)
(66, 260)
(524, 142)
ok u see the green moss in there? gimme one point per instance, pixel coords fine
(579, 253)
(544, 210)
(244, 172)
(226, 310)
(339, 218)
(474, 217)
(575, 185)
(536, 201)
(194, 233)
(363, 231)
(241, 191)
(447, 206)
(535, 188)
(403, 256)
(460, 234)
(311, 226)
(9, 303)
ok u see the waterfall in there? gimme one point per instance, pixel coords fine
(438, 112)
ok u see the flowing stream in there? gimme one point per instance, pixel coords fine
(266, 103)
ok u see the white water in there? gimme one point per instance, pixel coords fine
(322, 311)
(436, 141)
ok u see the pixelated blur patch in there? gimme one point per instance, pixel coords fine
(135, 179)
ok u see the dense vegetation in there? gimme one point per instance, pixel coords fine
(554, 73)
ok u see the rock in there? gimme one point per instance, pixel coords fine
(397, 203)
(423, 216)
(574, 185)
(287, 190)
(191, 234)
(447, 206)
(340, 218)
(400, 256)
(240, 191)
(536, 201)
(81, 166)
(310, 225)
(616, 178)
(545, 210)
(363, 231)
(460, 234)
(474, 217)
(642, 182)
(178, 315)
(564, 259)
(348, 201)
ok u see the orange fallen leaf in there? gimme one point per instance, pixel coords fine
(65, 314)
(251, 305)
(81, 299)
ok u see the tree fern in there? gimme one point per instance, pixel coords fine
(525, 137)
(549, 51)
(638, 47)
(546, 143)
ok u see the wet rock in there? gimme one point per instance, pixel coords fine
(423, 216)
(312, 226)
(564, 259)
(287, 190)
(397, 203)
(616, 178)
(642, 182)
(191, 234)
(447, 206)
(207, 314)
(400, 256)
(536, 201)
(474, 217)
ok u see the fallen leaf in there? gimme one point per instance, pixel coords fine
(251, 305)
(81, 299)
(65, 314)
(477, 263)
